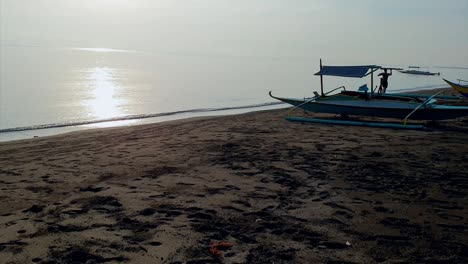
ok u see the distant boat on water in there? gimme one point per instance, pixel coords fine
(418, 72)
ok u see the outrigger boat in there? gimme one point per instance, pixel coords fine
(462, 89)
(418, 72)
(365, 103)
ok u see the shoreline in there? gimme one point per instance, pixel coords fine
(33, 133)
(158, 118)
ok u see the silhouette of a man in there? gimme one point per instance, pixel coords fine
(384, 80)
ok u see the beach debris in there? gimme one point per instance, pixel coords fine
(348, 243)
(217, 246)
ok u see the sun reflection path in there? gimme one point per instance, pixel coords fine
(103, 101)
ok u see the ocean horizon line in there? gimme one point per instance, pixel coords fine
(202, 54)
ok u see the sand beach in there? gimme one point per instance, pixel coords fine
(270, 190)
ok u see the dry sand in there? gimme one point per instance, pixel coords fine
(279, 192)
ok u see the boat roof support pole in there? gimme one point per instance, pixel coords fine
(321, 77)
(372, 81)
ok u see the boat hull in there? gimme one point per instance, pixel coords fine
(463, 90)
(378, 108)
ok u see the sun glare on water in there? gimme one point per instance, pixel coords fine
(103, 101)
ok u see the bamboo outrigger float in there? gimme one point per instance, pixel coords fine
(365, 103)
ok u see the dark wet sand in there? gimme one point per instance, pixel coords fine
(279, 192)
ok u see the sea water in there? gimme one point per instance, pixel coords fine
(73, 88)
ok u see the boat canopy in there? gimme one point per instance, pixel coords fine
(347, 71)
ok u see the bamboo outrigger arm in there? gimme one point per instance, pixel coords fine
(419, 106)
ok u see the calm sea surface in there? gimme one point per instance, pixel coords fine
(65, 86)
(68, 65)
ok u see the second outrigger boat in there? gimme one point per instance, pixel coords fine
(368, 103)
(418, 72)
(412, 70)
(462, 89)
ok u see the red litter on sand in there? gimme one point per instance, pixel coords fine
(215, 247)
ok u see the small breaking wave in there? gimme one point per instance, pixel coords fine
(134, 117)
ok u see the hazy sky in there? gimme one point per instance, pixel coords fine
(399, 32)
